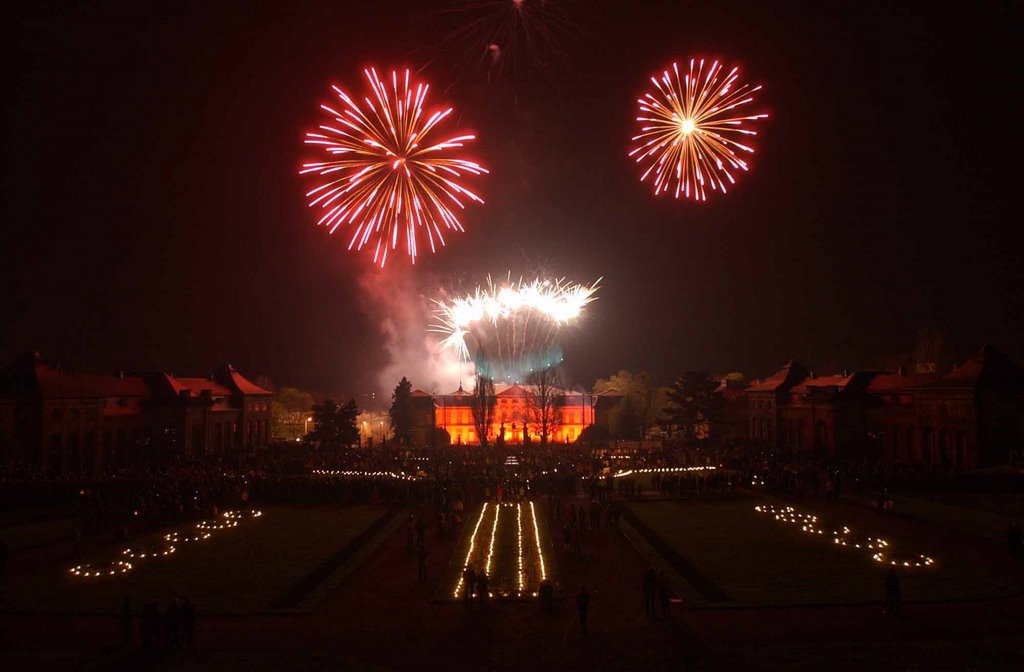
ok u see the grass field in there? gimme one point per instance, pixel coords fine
(238, 570)
(756, 560)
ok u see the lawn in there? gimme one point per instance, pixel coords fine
(237, 570)
(755, 560)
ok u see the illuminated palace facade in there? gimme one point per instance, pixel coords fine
(512, 417)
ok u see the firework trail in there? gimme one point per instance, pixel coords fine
(692, 134)
(502, 37)
(386, 175)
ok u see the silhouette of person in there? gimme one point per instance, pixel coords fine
(188, 621)
(650, 591)
(582, 605)
(172, 624)
(421, 561)
(892, 593)
(1013, 537)
(126, 621)
(469, 581)
(663, 593)
(481, 589)
(421, 531)
(149, 626)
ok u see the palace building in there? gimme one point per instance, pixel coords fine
(89, 424)
(972, 416)
(514, 418)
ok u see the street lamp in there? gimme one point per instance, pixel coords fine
(305, 424)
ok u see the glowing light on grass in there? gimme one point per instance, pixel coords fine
(94, 569)
(519, 542)
(536, 539)
(242, 515)
(661, 470)
(150, 551)
(214, 524)
(494, 532)
(692, 135)
(904, 559)
(844, 536)
(469, 553)
(185, 537)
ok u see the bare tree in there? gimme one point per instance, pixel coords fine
(482, 406)
(545, 398)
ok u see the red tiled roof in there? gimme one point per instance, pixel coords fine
(195, 386)
(821, 381)
(985, 368)
(244, 385)
(894, 382)
(53, 383)
(791, 372)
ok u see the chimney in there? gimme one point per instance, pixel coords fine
(901, 371)
(812, 374)
(846, 372)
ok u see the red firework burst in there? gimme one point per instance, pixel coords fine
(690, 130)
(386, 174)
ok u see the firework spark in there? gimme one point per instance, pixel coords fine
(386, 175)
(512, 325)
(691, 130)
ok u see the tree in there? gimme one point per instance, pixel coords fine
(348, 425)
(401, 413)
(334, 426)
(544, 401)
(641, 405)
(325, 425)
(289, 408)
(694, 407)
(482, 406)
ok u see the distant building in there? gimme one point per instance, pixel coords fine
(512, 418)
(89, 424)
(970, 417)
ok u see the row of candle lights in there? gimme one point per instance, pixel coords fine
(843, 536)
(201, 531)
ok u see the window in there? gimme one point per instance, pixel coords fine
(57, 415)
(75, 414)
(122, 402)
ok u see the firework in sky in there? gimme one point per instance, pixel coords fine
(386, 176)
(510, 329)
(693, 130)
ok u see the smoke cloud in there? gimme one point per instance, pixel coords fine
(395, 301)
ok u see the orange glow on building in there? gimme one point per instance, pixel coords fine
(512, 417)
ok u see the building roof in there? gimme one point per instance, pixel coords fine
(420, 393)
(837, 381)
(791, 373)
(731, 391)
(30, 374)
(883, 382)
(197, 386)
(986, 368)
(228, 376)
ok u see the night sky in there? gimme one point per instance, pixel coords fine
(153, 216)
